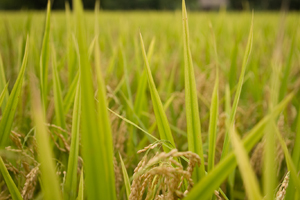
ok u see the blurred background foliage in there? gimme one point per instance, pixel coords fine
(155, 4)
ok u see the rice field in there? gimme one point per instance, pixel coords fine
(149, 105)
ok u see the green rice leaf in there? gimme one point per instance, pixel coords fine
(105, 133)
(13, 189)
(290, 193)
(3, 94)
(160, 115)
(141, 91)
(44, 58)
(3, 85)
(205, 188)
(10, 108)
(248, 175)
(288, 160)
(269, 176)
(96, 133)
(50, 184)
(71, 179)
(214, 112)
(191, 101)
(287, 68)
(239, 89)
(58, 102)
(81, 187)
(70, 50)
(69, 98)
(125, 178)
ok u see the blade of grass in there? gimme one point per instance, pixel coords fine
(160, 115)
(205, 188)
(69, 98)
(44, 59)
(3, 94)
(214, 112)
(126, 75)
(231, 177)
(140, 94)
(81, 187)
(248, 175)
(165, 143)
(3, 85)
(10, 108)
(104, 126)
(125, 178)
(70, 51)
(213, 126)
(50, 183)
(71, 179)
(290, 193)
(58, 102)
(96, 134)
(191, 101)
(239, 89)
(269, 175)
(288, 159)
(13, 189)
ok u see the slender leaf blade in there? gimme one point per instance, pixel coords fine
(13, 189)
(288, 159)
(81, 187)
(248, 175)
(205, 188)
(161, 118)
(3, 94)
(96, 144)
(58, 101)
(44, 58)
(48, 176)
(239, 89)
(71, 179)
(214, 111)
(191, 100)
(2, 84)
(126, 178)
(10, 108)
(69, 98)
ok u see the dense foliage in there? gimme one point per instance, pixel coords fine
(218, 117)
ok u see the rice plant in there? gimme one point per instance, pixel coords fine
(182, 105)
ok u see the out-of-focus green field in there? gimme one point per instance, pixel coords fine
(276, 47)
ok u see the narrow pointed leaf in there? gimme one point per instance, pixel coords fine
(81, 187)
(10, 108)
(248, 175)
(45, 156)
(205, 188)
(3, 94)
(214, 112)
(44, 58)
(141, 91)
(71, 179)
(58, 102)
(96, 134)
(125, 178)
(13, 189)
(70, 50)
(239, 89)
(3, 84)
(289, 161)
(105, 133)
(160, 115)
(191, 101)
(69, 98)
